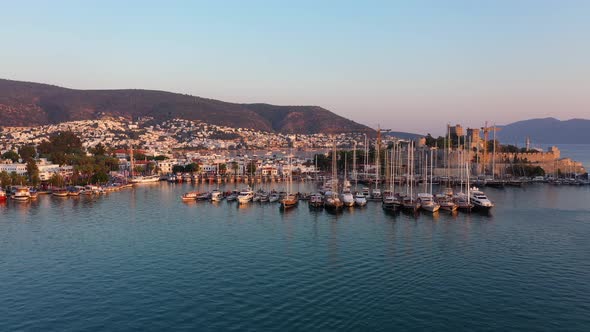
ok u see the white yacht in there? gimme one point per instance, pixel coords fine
(376, 194)
(216, 196)
(360, 200)
(245, 196)
(264, 197)
(21, 194)
(391, 202)
(347, 198)
(427, 202)
(479, 200)
(274, 197)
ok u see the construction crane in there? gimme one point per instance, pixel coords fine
(486, 134)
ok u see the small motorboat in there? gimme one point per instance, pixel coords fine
(190, 196)
(316, 201)
(216, 196)
(274, 197)
(21, 194)
(203, 196)
(360, 199)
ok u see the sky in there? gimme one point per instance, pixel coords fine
(405, 65)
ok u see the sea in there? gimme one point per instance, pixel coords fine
(142, 260)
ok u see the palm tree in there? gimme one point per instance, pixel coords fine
(234, 167)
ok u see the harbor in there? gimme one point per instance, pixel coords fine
(292, 267)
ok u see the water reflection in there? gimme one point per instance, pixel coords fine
(283, 262)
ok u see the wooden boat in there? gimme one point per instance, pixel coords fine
(289, 201)
(332, 201)
(60, 192)
(74, 192)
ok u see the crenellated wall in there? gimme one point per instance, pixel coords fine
(549, 160)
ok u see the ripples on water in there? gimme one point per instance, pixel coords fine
(143, 260)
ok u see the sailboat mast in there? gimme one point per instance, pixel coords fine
(393, 169)
(334, 166)
(412, 170)
(366, 159)
(345, 167)
(431, 169)
(316, 167)
(354, 165)
(494, 153)
(408, 169)
(131, 160)
(377, 157)
(467, 175)
(426, 170)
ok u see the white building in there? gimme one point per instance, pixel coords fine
(20, 169)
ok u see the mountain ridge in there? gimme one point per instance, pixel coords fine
(30, 103)
(547, 130)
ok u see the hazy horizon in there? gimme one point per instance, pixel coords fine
(410, 67)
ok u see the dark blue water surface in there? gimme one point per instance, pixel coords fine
(143, 260)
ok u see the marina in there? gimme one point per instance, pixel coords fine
(294, 267)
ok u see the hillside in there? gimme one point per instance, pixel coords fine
(28, 104)
(404, 135)
(546, 131)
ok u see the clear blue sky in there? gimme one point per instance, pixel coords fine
(408, 65)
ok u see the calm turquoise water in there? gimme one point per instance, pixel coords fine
(142, 260)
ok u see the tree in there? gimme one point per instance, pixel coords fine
(222, 168)
(99, 150)
(150, 167)
(12, 155)
(324, 162)
(61, 147)
(235, 167)
(177, 169)
(27, 152)
(100, 177)
(4, 179)
(33, 172)
(17, 179)
(192, 168)
(251, 167)
(56, 180)
(138, 169)
(67, 142)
